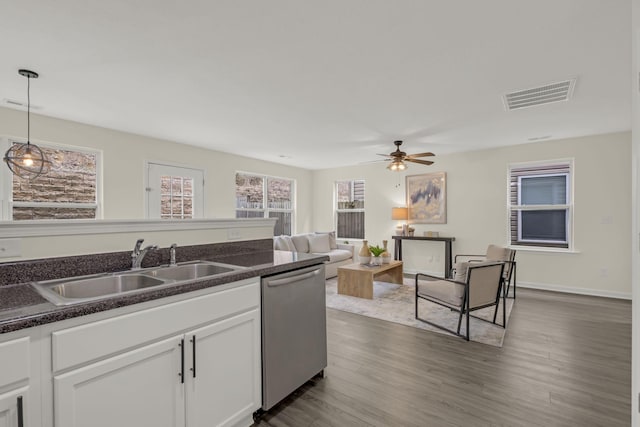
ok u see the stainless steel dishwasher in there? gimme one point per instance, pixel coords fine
(294, 331)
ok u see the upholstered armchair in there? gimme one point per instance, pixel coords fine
(496, 253)
(475, 286)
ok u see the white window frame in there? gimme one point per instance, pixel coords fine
(198, 211)
(6, 190)
(337, 211)
(265, 202)
(554, 245)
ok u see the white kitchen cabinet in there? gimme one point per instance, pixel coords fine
(124, 371)
(223, 385)
(14, 383)
(13, 409)
(141, 387)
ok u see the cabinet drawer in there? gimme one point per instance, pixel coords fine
(92, 341)
(15, 361)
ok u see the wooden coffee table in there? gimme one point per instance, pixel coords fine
(356, 280)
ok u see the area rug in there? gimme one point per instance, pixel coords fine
(395, 303)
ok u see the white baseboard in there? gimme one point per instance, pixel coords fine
(572, 290)
(549, 287)
(431, 273)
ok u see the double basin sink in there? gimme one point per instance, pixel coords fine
(76, 290)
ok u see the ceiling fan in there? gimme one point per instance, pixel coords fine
(398, 158)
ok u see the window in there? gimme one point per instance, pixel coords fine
(174, 192)
(541, 204)
(176, 197)
(350, 209)
(69, 190)
(261, 196)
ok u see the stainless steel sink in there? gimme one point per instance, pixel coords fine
(69, 291)
(99, 286)
(192, 271)
(76, 290)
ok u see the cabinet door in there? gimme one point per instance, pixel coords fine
(13, 408)
(224, 386)
(142, 387)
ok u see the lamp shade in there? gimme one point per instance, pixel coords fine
(399, 213)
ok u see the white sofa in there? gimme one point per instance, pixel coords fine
(318, 243)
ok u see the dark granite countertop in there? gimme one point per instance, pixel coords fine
(21, 306)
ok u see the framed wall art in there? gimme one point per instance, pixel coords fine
(427, 198)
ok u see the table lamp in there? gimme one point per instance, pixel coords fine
(400, 214)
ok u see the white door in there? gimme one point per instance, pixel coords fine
(142, 387)
(174, 192)
(226, 386)
(13, 407)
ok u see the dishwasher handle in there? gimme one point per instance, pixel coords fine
(292, 279)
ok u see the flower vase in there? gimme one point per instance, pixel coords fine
(376, 260)
(386, 256)
(364, 256)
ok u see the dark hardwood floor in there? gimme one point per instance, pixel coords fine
(566, 361)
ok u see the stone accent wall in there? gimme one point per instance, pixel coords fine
(176, 197)
(72, 179)
(21, 213)
(249, 192)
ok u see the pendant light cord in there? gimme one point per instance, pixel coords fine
(28, 110)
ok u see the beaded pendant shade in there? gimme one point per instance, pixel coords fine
(27, 160)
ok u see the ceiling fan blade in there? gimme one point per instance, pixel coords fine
(410, 156)
(422, 162)
(385, 155)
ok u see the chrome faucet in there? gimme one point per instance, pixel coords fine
(138, 254)
(172, 252)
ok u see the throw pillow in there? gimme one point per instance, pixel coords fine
(288, 243)
(461, 272)
(462, 269)
(301, 243)
(283, 243)
(333, 244)
(277, 243)
(319, 243)
(497, 253)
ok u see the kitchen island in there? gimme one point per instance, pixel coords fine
(187, 353)
(21, 306)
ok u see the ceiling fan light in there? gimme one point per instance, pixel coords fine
(397, 166)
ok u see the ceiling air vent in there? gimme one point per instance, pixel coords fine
(552, 92)
(15, 103)
(18, 104)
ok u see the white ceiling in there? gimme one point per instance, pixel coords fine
(326, 83)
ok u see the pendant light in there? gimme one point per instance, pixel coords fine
(27, 160)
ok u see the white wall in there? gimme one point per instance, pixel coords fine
(477, 214)
(123, 157)
(44, 239)
(123, 160)
(476, 187)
